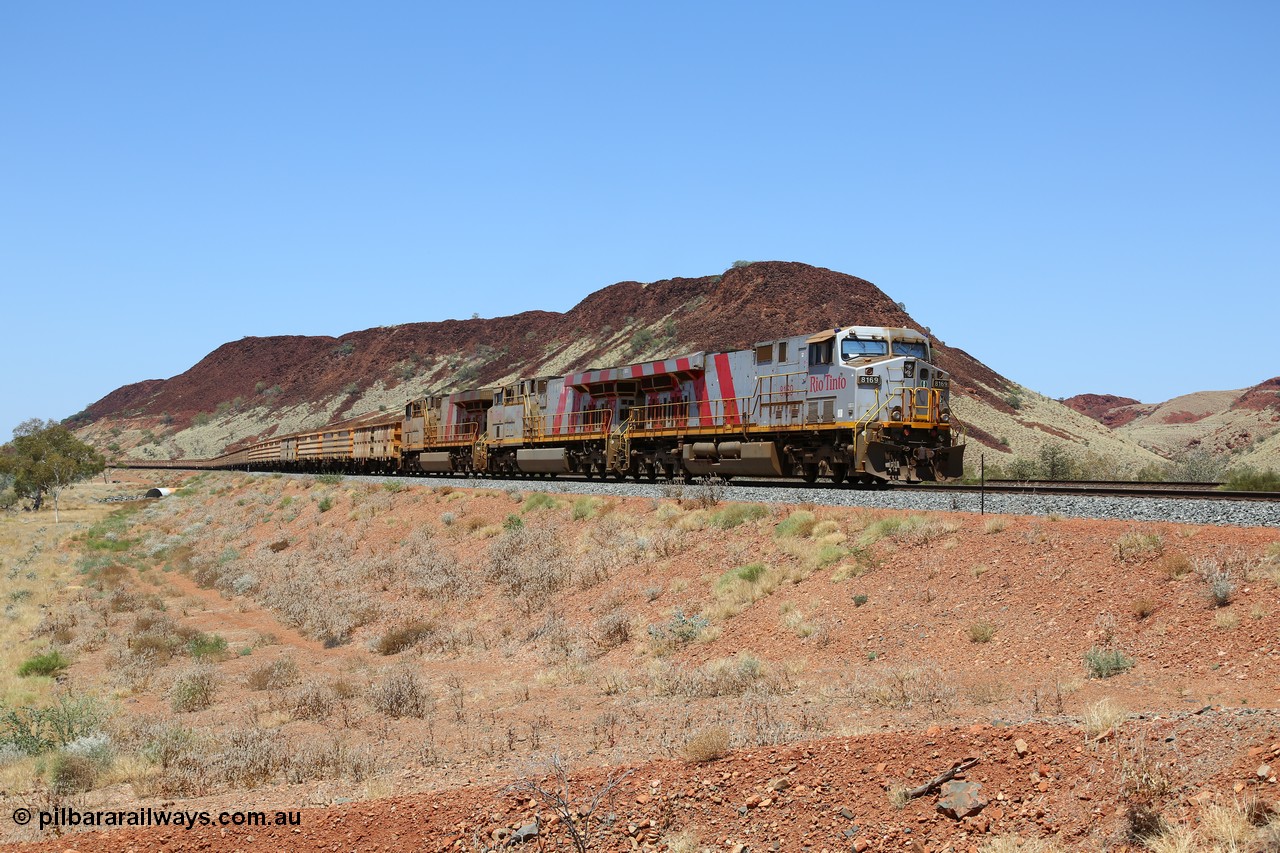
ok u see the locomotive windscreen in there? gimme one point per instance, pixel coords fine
(851, 348)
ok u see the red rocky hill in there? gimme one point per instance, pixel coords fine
(255, 386)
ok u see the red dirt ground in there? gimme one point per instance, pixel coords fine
(1052, 589)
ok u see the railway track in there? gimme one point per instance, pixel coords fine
(1111, 489)
(1077, 488)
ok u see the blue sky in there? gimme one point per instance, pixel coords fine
(1084, 196)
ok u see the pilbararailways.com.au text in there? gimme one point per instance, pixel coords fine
(71, 818)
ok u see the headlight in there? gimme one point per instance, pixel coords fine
(945, 417)
(896, 414)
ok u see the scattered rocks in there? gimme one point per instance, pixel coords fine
(524, 834)
(961, 799)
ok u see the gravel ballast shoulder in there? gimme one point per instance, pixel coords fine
(1176, 510)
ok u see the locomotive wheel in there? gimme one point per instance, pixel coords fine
(810, 472)
(839, 473)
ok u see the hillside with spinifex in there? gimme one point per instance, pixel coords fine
(255, 387)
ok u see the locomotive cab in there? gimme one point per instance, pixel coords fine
(882, 383)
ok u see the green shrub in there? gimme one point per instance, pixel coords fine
(1249, 479)
(325, 504)
(912, 530)
(829, 555)
(194, 689)
(881, 528)
(584, 508)
(108, 534)
(642, 340)
(203, 646)
(751, 572)
(49, 663)
(736, 514)
(1221, 589)
(329, 479)
(679, 629)
(859, 600)
(513, 522)
(539, 500)
(797, 525)
(36, 730)
(72, 774)
(1104, 662)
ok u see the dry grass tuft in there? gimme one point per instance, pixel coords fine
(194, 689)
(901, 687)
(400, 693)
(1101, 717)
(982, 631)
(1141, 608)
(899, 796)
(685, 841)
(1174, 564)
(908, 530)
(272, 675)
(1017, 844)
(1134, 546)
(403, 637)
(707, 745)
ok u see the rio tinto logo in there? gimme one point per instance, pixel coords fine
(827, 383)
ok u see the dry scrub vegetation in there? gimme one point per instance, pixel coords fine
(345, 636)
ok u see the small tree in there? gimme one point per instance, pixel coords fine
(44, 458)
(1056, 463)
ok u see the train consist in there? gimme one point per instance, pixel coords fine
(863, 405)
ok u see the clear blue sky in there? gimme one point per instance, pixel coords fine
(1085, 196)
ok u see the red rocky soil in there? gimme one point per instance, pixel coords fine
(1036, 781)
(880, 686)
